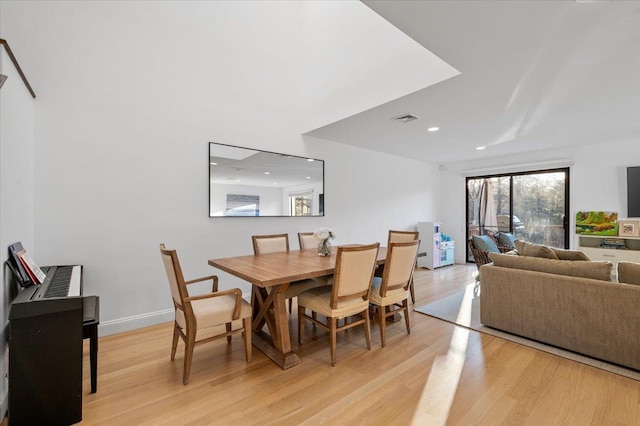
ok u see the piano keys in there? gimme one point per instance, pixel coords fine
(60, 281)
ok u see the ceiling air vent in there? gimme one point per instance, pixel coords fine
(405, 118)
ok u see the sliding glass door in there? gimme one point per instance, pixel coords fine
(534, 206)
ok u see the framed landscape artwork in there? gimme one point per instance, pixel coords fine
(597, 223)
(629, 228)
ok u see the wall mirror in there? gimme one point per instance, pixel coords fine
(248, 182)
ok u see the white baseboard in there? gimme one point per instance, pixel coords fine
(137, 321)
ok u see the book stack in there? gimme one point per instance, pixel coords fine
(24, 266)
(613, 243)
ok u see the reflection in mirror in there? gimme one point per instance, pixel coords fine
(248, 182)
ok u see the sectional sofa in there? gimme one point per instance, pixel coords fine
(579, 305)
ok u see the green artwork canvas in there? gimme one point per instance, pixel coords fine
(597, 223)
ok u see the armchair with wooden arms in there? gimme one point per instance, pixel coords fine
(206, 317)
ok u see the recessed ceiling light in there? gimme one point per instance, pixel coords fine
(433, 129)
(213, 164)
(267, 173)
(310, 159)
(308, 177)
(480, 148)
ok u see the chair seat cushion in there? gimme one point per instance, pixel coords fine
(217, 330)
(297, 287)
(214, 311)
(485, 243)
(393, 296)
(319, 300)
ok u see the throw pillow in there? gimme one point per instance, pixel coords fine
(534, 250)
(629, 273)
(506, 239)
(519, 246)
(485, 243)
(570, 254)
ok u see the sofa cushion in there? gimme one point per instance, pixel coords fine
(629, 273)
(506, 239)
(570, 254)
(485, 243)
(535, 250)
(594, 270)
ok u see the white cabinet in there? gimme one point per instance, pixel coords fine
(593, 246)
(438, 253)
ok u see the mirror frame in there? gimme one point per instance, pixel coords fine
(246, 163)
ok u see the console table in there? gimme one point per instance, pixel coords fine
(591, 246)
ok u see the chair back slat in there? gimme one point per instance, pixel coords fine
(263, 244)
(307, 240)
(354, 270)
(402, 236)
(174, 275)
(399, 266)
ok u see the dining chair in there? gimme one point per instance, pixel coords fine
(273, 243)
(307, 240)
(401, 237)
(390, 292)
(204, 317)
(270, 243)
(348, 297)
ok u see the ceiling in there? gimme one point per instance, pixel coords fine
(534, 75)
(229, 165)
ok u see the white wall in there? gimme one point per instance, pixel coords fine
(597, 179)
(129, 96)
(16, 190)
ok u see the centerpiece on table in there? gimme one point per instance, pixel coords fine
(323, 235)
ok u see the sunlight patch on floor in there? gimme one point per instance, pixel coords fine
(440, 389)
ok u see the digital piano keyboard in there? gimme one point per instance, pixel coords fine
(60, 281)
(46, 350)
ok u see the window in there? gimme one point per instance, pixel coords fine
(300, 203)
(533, 206)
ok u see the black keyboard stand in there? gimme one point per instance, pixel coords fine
(90, 321)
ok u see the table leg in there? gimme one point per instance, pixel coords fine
(273, 311)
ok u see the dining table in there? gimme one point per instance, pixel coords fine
(270, 274)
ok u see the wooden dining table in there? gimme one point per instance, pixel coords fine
(270, 274)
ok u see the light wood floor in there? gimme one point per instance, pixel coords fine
(440, 374)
